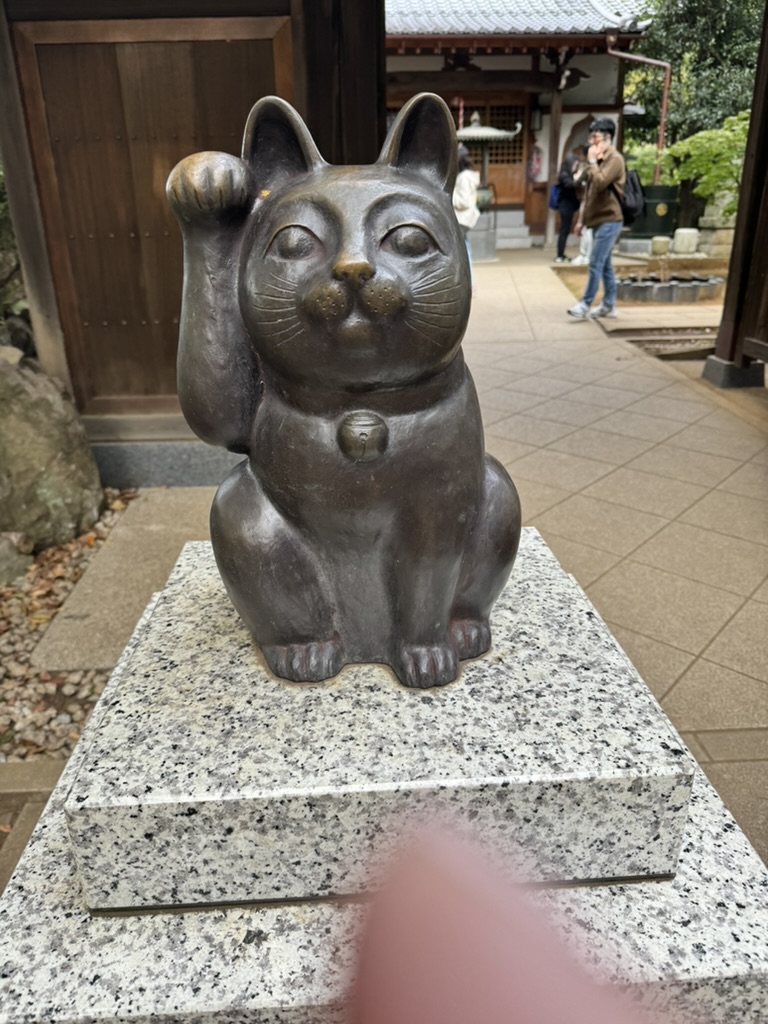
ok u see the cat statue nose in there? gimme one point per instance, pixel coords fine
(355, 271)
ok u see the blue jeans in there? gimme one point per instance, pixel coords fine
(600, 266)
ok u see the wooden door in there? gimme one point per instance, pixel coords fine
(111, 107)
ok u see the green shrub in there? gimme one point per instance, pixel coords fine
(643, 159)
(714, 160)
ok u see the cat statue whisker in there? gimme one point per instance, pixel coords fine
(322, 316)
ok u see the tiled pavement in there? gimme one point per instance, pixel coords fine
(650, 486)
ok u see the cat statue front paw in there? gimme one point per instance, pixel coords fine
(211, 186)
(422, 666)
(470, 637)
(305, 663)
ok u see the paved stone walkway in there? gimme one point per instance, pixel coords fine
(650, 486)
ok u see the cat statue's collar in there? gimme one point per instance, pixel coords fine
(389, 401)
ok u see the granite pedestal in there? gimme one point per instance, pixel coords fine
(690, 949)
(211, 781)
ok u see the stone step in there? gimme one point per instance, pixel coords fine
(209, 781)
(513, 231)
(514, 242)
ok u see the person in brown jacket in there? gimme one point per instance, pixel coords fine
(603, 176)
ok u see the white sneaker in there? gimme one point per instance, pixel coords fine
(580, 311)
(607, 312)
(579, 261)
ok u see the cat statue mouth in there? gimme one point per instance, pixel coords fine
(356, 329)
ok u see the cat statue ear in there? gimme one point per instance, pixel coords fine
(423, 140)
(277, 144)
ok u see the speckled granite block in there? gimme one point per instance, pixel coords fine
(210, 781)
(690, 949)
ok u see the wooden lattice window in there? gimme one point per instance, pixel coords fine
(506, 117)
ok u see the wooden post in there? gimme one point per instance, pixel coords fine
(743, 334)
(555, 118)
(342, 81)
(362, 80)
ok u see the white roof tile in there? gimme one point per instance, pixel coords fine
(507, 17)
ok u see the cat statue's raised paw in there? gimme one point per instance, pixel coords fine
(322, 317)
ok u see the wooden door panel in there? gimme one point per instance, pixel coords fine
(81, 87)
(118, 106)
(157, 89)
(228, 79)
(509, 181)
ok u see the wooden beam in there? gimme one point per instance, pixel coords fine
(27, 218)
(316, 45)
(480, 44)
(86, 10)
(362, 92)
(756, 348)
(341, 43)
(555, 120)
(160, 30)
(749, 258)
(282, 51)
(455, 83)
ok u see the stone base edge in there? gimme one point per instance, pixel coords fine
(725, 374)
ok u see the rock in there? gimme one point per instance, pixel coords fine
(686, 241)
(23, 544)
(13, 562)
(18, 330)
(49, 485)
(713, 216)
(659, 245)
(11, 354)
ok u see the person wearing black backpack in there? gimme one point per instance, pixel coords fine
(603, 177)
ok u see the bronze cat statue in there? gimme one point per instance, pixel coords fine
(322, 317)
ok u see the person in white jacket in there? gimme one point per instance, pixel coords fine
(465, 197)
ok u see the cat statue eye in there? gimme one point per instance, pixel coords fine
(322, 317)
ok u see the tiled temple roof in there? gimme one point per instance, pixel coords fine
(509, 17)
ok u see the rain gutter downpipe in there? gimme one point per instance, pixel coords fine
(664, 99)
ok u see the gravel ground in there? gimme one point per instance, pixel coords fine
(42, 713)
